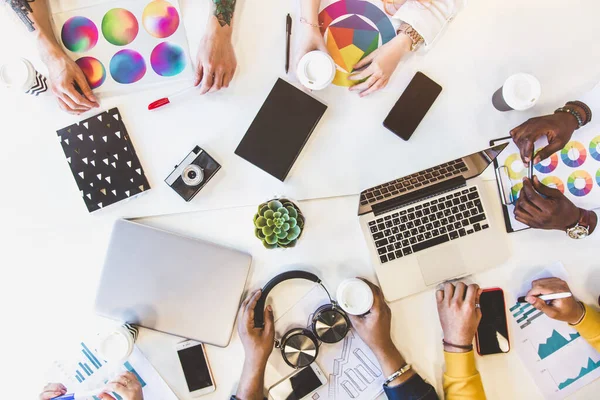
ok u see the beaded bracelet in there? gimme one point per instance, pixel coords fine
(458, 346)
(573, 113)
(586, 110)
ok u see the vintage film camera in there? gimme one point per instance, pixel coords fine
(192, 173)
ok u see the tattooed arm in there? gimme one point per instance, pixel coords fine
(216, 57)
(65, 76)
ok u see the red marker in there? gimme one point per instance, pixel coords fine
(166, 100)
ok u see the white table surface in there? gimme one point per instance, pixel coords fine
(52, 250)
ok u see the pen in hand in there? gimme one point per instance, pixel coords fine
(548, 297)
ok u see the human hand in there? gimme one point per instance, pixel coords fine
(65, 77)
(558, 128)
(258, 342)
(379, 66)
(125, 385)
(216, 62)
(374, 328)
(459, 315)
(554, 211)
(310, 39)
(53, 390)
(567, 309)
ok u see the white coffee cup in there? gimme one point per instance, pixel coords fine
(21, 75)
(520, 92)
(354, 296)
(116, 345)
(316, 70)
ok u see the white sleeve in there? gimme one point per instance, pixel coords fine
(428, 18)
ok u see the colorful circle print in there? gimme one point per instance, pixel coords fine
(515, 167)
(580, 183)
(554, 182)
(94, 71)
(595, 148)
(598, 177)
(573, 154)
(79, 34)
(548, 165)
(127, 66)
(160, 18)
(515, 191)
(119, 26)
(352, 30)
(167, 59)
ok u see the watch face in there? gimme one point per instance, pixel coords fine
(578, 232)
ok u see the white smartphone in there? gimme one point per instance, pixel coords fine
(196, 370)
(299, 385)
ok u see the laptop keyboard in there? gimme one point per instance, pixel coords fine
(389, 189)
(428, 223)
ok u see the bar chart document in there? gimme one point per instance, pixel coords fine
(85, 370)
(559, 360)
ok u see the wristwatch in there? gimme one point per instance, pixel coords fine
(581, 229)
(417, 39)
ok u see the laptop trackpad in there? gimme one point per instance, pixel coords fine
(441, 263)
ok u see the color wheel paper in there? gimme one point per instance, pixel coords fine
(352, 30)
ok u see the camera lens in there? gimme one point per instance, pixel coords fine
(192, 175)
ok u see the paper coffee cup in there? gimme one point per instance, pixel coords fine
(316, 70)
(20, 75)
(354, 296)
(117, 345)
(519, 92)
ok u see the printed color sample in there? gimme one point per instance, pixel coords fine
(160, 19)
(94, 71)
(548, 165)
(516, 169)
(79, 34)
(573, 154)
(127, 66)
(554, 182)
(119, 26)
(580, 183)
(167, 59)
(595, 148)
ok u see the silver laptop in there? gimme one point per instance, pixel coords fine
(171, 283)
(432, 226)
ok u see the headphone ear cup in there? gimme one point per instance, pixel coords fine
(299, 348)
(330, 324)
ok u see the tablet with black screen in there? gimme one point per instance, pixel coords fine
(280, 130)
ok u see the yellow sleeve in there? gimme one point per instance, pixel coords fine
(461, 379)
(589, 327)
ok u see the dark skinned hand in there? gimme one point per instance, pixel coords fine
(554, 211)
(558, 128)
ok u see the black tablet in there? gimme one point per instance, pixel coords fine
(280, 130)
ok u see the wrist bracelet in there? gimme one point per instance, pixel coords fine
(305, 21)
(582, 315)
(458, 346)
(396, 374)
(586, 110)
(573, 113)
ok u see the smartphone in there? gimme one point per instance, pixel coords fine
(299, 385)
(411, 107)
(492, 333)
(192, 357)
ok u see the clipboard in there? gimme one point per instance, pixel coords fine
(505, 185)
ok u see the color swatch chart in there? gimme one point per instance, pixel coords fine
(574, 171)
(558, 358)
(126, 44)
(353, 29)
(85, 370)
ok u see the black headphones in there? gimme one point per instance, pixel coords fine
(300, 346)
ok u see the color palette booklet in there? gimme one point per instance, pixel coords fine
(352, 30)
(126, 44)
(558, 359)
(575, 170)
(83, 369)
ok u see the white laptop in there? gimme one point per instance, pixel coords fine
(433, 225)
(172, 283)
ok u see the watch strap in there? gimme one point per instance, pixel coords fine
(396, 374)
(414, 36)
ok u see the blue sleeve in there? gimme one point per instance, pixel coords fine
(413, 389)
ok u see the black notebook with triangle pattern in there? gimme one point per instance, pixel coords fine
(103, 160)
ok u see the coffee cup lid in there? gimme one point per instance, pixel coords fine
(354, 296)
(17, 73)
(521, 91)
(316, 70)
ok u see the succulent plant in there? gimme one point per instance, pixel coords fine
(278, 223)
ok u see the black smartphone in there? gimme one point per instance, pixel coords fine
(492, 333)
(411, 107)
